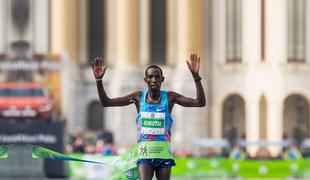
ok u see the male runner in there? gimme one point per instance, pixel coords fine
(153, 120)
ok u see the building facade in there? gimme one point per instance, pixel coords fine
(255, 66)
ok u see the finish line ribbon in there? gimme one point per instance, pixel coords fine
(4, 151)
(40, 152)
(122, 167)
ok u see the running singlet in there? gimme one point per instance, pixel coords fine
(154, 121)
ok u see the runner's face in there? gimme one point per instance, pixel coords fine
(153, 79)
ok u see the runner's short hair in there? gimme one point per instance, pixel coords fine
(153, 66)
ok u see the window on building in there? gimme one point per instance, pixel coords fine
(296, 30)
(263, 13)
(233, 30)
(95, 28)
(95, 119)
(158, 31)
(296, 124)
(234, 118)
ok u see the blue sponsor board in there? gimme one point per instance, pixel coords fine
(36, 132)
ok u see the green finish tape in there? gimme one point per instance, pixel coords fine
(4, 151)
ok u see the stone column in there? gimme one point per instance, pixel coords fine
(217, 119)
(171, 32)
(57, 29)
(190, 122)
(4, 25)
(3, 35)
(64, 28)
(110, 36)
(127, 33)
(276, 41)
(218, 33)
(307, 30)
(145, 33)
(252, 122)
(251, 31)
(275, 123)
(218, 57)
(64, 44)
(276, 54)
(40, 26)
(190, 29)
(125, 76)
(83, 33)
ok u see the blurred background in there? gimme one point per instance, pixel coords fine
(254, 65)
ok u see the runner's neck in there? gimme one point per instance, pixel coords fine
(154, 97)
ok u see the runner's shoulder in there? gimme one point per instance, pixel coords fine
(136, 95)
(172, 95)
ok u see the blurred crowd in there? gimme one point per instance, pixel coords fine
(102, 142)
(238, 152)
(92, 142)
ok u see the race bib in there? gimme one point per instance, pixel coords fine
(152, 123)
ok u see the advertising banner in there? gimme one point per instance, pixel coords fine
(30, 86)
(36, 132)
(204, 168)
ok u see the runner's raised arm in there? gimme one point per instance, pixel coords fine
(193, 65)
(99, 71)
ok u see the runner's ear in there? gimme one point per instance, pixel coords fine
(163, 79)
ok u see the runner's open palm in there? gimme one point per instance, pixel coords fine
(98, 68)
(194, 64)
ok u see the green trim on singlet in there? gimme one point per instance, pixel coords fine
(154, 149)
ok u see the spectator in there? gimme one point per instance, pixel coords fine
(99, 146)
(89, 148)
(292, 153)
(69, 148)
(106, 136)
(237, 154)
(78, 145)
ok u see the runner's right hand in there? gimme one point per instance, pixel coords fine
(98, 68)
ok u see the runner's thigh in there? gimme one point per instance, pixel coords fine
(163, 173)
(145, 172)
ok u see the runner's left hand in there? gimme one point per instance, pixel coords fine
(194, 64)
